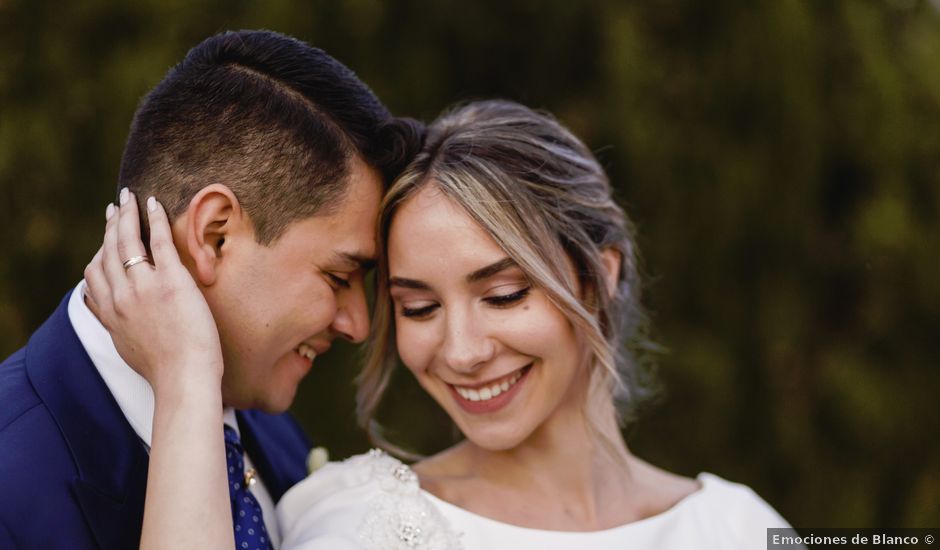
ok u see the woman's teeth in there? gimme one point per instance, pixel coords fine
(489, 392)
(306, 351)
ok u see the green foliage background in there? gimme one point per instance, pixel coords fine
(781, 160)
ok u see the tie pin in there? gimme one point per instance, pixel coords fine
(250, 477)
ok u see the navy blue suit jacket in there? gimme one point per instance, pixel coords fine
(73, 473)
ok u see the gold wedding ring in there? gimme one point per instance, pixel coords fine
(134, 261)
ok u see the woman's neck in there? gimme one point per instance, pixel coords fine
(575, 469)
(581, 478)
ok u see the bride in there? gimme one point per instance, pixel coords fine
(507, 285)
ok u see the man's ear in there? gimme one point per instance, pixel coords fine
(213, 216)
(611, 259)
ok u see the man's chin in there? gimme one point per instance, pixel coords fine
(277, 404)
(274, 408)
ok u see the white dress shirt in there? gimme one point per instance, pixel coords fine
(135, 396)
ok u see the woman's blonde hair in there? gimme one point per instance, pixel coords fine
(541, 195)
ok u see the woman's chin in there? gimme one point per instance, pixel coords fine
(495, 438)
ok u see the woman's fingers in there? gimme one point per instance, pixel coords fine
(138, 308)
(161, 235)
(110, 259)
(98, 291)
(129, 246)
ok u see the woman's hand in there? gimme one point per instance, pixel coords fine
(162, 326)
(157, 316)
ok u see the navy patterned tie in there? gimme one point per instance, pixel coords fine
(250, 533)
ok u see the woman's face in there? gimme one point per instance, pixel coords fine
(492, 350)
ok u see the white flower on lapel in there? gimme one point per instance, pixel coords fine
(317, 457)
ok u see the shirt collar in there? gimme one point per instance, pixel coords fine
(131, 391)
(228, 418)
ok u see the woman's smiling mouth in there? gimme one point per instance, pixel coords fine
(490, 396)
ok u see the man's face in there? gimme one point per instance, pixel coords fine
(279, 306)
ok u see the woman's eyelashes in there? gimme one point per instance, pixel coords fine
(418, 312)
(506, 300)
(498, 301)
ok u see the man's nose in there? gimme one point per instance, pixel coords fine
(352, 315)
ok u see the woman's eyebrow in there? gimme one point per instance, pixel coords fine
(408, 283)
(478, 275)
(491, 270)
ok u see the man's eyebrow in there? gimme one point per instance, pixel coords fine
(408, 283)
(361, 261)
(491, 270)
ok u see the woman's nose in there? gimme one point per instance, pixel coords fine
(467, 345)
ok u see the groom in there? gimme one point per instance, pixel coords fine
(251, 143)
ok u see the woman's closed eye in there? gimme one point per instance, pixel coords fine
(418, 310)
(508, 299)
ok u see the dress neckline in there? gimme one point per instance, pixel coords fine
(705, 479)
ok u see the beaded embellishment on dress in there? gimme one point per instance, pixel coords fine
(400, 517)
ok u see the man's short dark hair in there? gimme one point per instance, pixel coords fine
(272, 118)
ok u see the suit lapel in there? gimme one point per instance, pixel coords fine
(252, 436)
(279, 465)
(110, 459)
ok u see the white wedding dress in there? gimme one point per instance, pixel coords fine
(373, 502)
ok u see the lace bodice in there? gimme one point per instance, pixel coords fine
(400, 516)
(371, 502)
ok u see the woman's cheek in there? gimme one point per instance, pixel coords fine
(415, 346)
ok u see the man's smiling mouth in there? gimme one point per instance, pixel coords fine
(305, 350)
